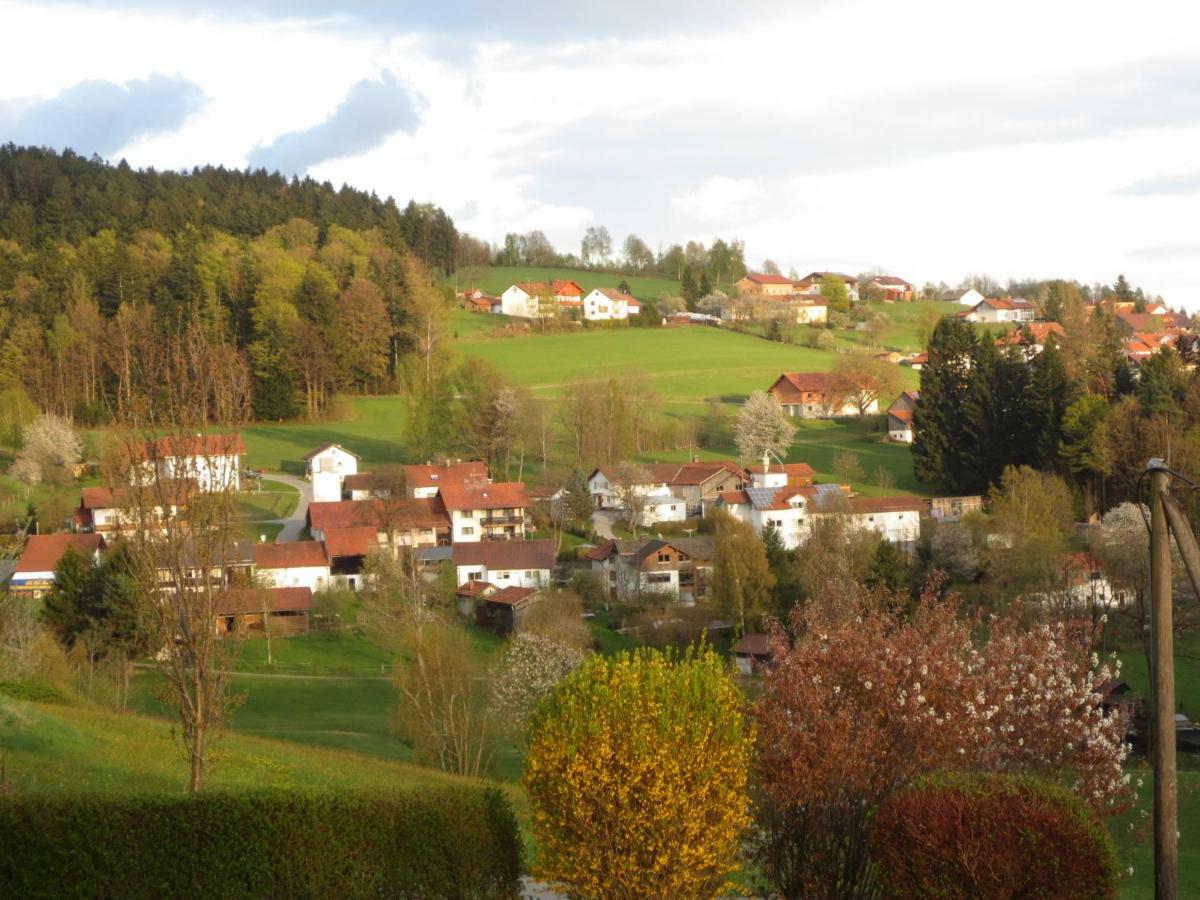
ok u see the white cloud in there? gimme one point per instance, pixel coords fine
(719, 200)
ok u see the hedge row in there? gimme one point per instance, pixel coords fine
(970, 836)
(445, 842)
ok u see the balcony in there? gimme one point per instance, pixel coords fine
(494, 521)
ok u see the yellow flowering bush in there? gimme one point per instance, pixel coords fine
(636, 774)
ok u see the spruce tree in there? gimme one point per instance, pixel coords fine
(939, 419)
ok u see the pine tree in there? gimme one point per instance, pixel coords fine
(939, 422)
(579, 503)
(71, 604)
(688, 289)
(782, 563)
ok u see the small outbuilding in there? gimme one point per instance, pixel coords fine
(752, 653)
(504, 610)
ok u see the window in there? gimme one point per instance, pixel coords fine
(529, 576)
(658, 578)
(467, 530)
(473, 576)
(468, 513)
(504, 576)
(664, 557)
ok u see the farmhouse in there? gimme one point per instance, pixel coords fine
(778, 475)
(693, 482)
(281, 610)
(1001, 309)
(811, 283)
(34, 574)
(813, 395)
(412, 522)
(606, 304)
(783, 508)
(504, 563)
(424, 480)
(527, 300)
(326, 467)
(347, 549)
(893, 288)
(486, 512)
(109, 511)
(504, 610)
(895, 519)
(678, 566)
(293, 564)
(756, 285)
(900, 417)
(212, 462)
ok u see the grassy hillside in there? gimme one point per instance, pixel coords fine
(495, 279)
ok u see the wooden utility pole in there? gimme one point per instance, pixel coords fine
(1162, 654)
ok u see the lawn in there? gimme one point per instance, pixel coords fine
(494, 279)
(275, 500)
(373, 428)
(1137, 850)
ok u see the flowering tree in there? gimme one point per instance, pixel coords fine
(531, 665)
(761, 428)
(861, 706)
(636, 773)
(49, 446)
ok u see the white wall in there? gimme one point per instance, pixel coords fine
(313, 577)
(326, 487)
(515, 302)
(504, 577)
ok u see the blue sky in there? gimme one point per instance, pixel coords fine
(931, 139)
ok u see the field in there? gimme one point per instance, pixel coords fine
(494, 279)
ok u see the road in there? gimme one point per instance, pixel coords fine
(602, 522)
(296, 522)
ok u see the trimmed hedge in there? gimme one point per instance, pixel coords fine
(442, 842)
(991, 836)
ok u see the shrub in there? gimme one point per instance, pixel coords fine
(991, 836)
(636, 773)
(446, 842)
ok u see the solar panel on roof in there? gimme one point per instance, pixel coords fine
(825, 491)
(761, 497)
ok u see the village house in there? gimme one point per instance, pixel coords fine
(194, 569)
(414, 522)
(279, 610)
(486, 512)
(347, 550)
(108, 511)
(676, 566)
(777, 475)
(211, 462)
(359, 486)
(504, 563)
(811, 283)
(424, 480)
(1032, 337)
(967, 297)
(809, 310)
(504, 610)
(812, 395)
(525, 299)
(478, 301)
(752, 653)
(916, 362)
(1154, 323)
(34, 573)
(326, 467)
(756, 285)
(784, 509)
(900, 417)
(292, 564)
(1085, 584)
(692, 482)
(952, 509)
(895, 519)
(893, 288)
(993, 310)
(607, 304)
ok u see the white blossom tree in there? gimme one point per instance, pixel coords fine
(50, 447)
(531, 665)
(761, 428)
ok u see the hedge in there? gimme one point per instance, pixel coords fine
(442, 842)
(991, 836)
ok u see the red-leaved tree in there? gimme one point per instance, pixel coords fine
(859, 706)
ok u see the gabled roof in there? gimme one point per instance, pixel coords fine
(438, 474)
(311, 453)
(904, 415)
(891, 280)
(566, 286)
(1004, 303)
(817, 276)
(501, 495)
(512, 596)
(1036, 333)
(359, 481)
(247, 601)
(357, 541)
(44, 551)
(475, 588)
(753, 645)
(792, 384)
(765, 499)
(1149, 322)
(426, 512)
(614, 294)
(868, 505)
(505, 554)
(679, 474)
(207, 445)
(767, 279)
(701, 549)
(290, 555)
(792, 470)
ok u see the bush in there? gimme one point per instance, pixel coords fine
(991, 836)
(448, 842)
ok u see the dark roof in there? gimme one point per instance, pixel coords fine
(291, 555)
(360, 481)
(43, 552)
(244, 601)
(512, 596)
(505, 554)
(698, 548)
(753, 645)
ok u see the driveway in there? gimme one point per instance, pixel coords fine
(295, 523)
(602, 522)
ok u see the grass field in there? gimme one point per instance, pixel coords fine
(275, 500)
(495, 279)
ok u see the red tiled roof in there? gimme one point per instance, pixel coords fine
(474, 588)
(793, 470)
(243, 601)
(505, 554)
(446, 473)
(790, 385)
(1153, 323)
(904, 415)
(1005, 303)
(817, 276)
(290, 555)
(886, 504)
(501, 495)
(511, 596)
(614, 294)
(768, 279)
(356, 541)
(1039, 332)
(425, 512)
(106, 498)
(196, 445)
(44, 551)
(566, 288)
(891, 280)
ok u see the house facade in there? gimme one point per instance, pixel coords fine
(34, 573)
(811, 283)
(209, 462)
(892, 288)
(411, 522)
(812, 395)
(678, 566)
(527, 564)
(900, 417)
(486, 512)
(994, 310)
(607, 304)
(693, 482)
(759, 285)
(327, 467)
(293, 564)
(527, 300)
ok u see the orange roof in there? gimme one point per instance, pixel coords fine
(793, 470)
(1039, 332)
(891, 280)
(511, 596)
(43, 552)
(904, 415)
(768, 279)
(425, 512)
(243, 601)
(501, 495)
(475, 588)
(291, 555)
(1005, 303)
(790, 385)
(614, 294)
(196, 445)
(357, 541)
(566, 288)
(886, 504)
(435, 475)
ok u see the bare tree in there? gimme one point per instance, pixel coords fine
(866, 380)
(631, 486)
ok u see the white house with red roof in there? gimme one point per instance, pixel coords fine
(34, 573)
(486, 512)
(606, 304)
(292, 564)
(893, 288)
(424, 480)
(525, 564)
(900, 417)
(811, 283)
(993, 310)
(327, 467)
(813, 395)
(212, 462)
(693, 482)
(523, 299)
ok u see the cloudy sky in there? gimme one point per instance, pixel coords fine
(931, 139)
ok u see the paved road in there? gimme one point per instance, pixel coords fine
(602, 522)
(295, 523)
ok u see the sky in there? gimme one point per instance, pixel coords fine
(929, 139)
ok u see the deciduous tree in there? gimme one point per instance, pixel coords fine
(761, 429)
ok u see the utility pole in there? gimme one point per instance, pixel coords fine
(1162, 657)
